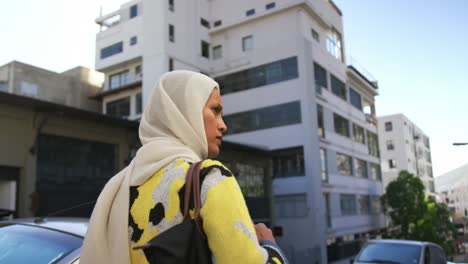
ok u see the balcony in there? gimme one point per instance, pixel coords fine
(358, 69)
(110, 20)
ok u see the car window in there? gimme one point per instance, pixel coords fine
(390, 252)
(427, 256)
(437, 255)
(29, 244)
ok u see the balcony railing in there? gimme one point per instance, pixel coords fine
(109, 20)
(371, 119)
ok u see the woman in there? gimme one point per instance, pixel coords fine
(181, 124)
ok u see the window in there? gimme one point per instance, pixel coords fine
(358, 134)
(361, 168)
(320, 125)
(205, 49)
(171, 33)
(429, 171)
(355, 98)
(338, 87)
(376, 204)
(348, 204)
(138, 71)
(118, 80)
(323, 164)
(364, 204)
(138, 103)
(372, 144)
(217, 52)
(171, 64)
(315, 35)
(111, 50)
(341, 125)
(388, 126)
(270, 5)
(426, 142)
(392, 163)
(204, 23)
(250, 12)
(390, 145)
(263, 118)
(133, 11)
(334, 44)
(344, 164)
(247, 43)
(270, 73)
(291, 206)
(288, 162)
(320, 76)
(171, 5)
(119, 108)
(133, 41)
(28, 244)
(251, 179)
(326, 197)
(217, 23)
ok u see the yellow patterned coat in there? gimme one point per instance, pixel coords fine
(157, 205)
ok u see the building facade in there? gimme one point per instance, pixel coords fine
(71, 88)
(453, 187)
(286, 88)
(404, 146)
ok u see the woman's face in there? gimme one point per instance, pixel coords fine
(214, 124)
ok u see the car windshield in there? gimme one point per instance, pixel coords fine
(390, 253)
(29, 244)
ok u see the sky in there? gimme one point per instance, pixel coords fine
(417, 50)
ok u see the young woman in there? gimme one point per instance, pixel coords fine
(181, 124)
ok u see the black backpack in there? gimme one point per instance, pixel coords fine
(185, 242)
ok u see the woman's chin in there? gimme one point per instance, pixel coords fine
(213, 152)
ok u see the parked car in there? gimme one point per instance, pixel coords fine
(401, 252)
(42, 240)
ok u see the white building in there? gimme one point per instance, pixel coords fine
(286, 88)
(453, 185)
(404, 146)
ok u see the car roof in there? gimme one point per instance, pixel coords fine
(402, 242)
(72, 225)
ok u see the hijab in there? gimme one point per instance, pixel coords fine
(171, 127)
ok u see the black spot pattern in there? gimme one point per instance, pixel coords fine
(156, 214)
(273, 253)
(137, 232)
(224, 171)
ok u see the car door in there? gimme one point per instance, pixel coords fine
(437, 255)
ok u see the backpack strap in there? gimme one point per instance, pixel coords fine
(196, 197)
(188, 187)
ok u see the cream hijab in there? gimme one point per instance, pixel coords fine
(171, 127)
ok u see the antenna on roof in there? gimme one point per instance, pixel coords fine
(40, 219)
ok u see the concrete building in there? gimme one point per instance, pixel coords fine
(404, 146)
(71, 88)
(54, 156)
(453, 186)
(286, 88)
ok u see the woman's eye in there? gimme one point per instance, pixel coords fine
(217, 109)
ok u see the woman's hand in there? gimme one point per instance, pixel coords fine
(264, 233)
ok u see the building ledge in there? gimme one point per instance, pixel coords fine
(127, 87)
(62, 110)
(309, 8)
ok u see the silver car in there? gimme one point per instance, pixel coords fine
(401, 252)
(48, 240)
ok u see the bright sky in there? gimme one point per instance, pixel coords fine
(417, 50)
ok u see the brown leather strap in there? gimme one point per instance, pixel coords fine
(188, 187)
(196, 197)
